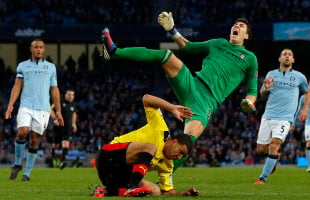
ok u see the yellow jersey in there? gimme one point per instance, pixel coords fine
(153, 132)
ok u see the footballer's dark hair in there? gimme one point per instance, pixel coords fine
(69, 90)
(184, 139)
(286, 49)
(245, 21)
(36, 40)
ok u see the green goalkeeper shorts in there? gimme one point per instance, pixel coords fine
(193, 93)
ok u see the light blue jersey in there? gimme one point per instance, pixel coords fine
(37, 77)
(301, 104)
(284, 94)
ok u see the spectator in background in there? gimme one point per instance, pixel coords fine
(141, 12)
(98, 64)
(2, 69)
(49, 160)
(77, 163)
(5, 159)
(249, 160)
(83, 62)
(71, 65)
(236, 155)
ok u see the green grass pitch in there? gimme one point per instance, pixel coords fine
(213, 183)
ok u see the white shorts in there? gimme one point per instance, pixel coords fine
(272, 129)
(307, 132)
(36, 120)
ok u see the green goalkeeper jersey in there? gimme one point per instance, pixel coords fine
(225, 66)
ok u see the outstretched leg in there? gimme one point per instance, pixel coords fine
(139, 54)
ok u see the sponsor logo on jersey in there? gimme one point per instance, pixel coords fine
(292, 78)
(242, 56)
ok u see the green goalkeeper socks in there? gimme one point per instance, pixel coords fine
(179, 162)
(142, 54)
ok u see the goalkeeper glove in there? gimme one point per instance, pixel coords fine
(247, 105)
(166, 21)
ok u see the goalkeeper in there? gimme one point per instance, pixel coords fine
(225, 65)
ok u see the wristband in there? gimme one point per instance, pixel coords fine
(263, 88)
(174, 33)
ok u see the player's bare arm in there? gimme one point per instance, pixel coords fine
(180, 112)
(304, 111)
(53, 116)
(181, 41)
(56, 100)
(14, 96)
(268, 82)
(189, 192)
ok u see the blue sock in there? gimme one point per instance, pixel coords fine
(31, 158)
(308, 155)
(269, 165)
(19, 150)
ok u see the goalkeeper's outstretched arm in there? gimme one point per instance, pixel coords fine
(165, 19)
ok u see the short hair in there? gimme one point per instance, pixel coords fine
(184, 139)
(36, 40)
(69, 90)
(249, 27)
(286, 49)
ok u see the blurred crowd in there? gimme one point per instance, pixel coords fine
(200, 12)
(71, 12)
(133, 12)
(109, 104)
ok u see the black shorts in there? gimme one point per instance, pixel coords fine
(61, 133)
(112, 169)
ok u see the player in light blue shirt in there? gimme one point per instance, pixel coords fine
(35, 79)
(283, 86)
(38, 77)
(307, 127)
(284, 94)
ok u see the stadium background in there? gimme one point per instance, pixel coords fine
(109, 94)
